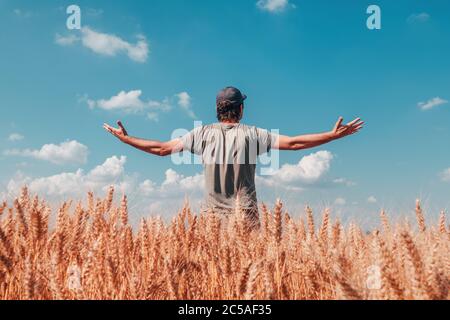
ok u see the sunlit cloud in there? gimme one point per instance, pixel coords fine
(432, 103)
(274, 6)
(372, 199)
(107, 44)
(13, 137)
(445, 175)
(133, 102)
(63, 153)
(184, 101)
(340, 202)
(419, 17)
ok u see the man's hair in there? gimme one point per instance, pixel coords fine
(227, 110)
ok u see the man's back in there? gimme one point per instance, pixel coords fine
(229, 153)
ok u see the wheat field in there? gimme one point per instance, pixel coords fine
(92, 252)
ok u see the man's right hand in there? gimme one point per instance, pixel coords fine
(341, 131)
(150, 146)
(120, 133)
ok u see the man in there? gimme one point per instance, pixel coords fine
(229, 151)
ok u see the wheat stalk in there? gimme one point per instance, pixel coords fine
(93, 252)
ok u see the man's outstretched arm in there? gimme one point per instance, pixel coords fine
(313, 140)
(151, 146)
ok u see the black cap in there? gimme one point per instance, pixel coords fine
(230, 94)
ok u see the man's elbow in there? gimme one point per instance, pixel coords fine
(164, 152)
(298, 147)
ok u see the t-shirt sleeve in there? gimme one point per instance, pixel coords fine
(193, 141)
(265, 140)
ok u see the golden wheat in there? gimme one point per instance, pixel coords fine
(93, 253)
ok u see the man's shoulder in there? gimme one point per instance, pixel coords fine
(240, 127)
(247, 126)
(254, 129)
(219, 125)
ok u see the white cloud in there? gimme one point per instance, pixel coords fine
(178, 184)
(15, 137)
(153, 116)
(310, 168)
(66, 152)
(274, 5)
(108, 44)
(345, 182)
(129, 102)
(22, 14)
(66, 40)
(340, 202)
(58, 185)
(419, 17)
(147, 187)
(445, 175)
(123, 100)
(73, 183)
(372, 199)
(112, 168)
(132, 102)
(111, 45)
(432, 103)
(93, 12)
(13, 186)
(144, 196)
(184, 101)
(268, 183)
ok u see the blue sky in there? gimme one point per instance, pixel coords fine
(302, 65)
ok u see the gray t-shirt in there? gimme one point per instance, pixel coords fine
(229, 154)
